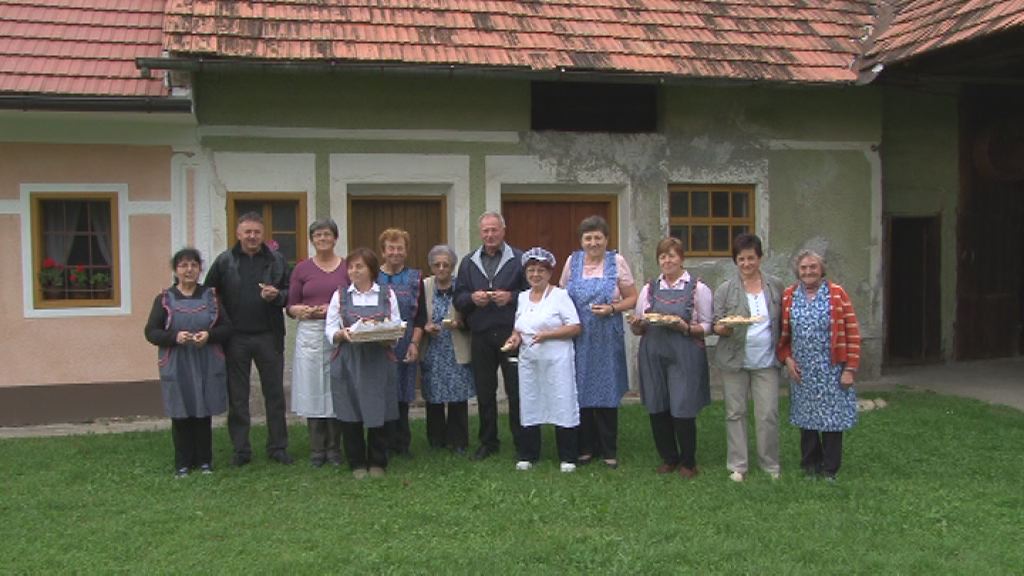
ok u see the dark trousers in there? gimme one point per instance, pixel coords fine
(267, 350)
(487, 357)
(324, 440)
(565, 439)
(193, 442)
(451, 430)
(599, 432)
(361, 452)
(399, 433)
(821, 452)
(675, 439)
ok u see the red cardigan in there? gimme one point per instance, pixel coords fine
(844, 332)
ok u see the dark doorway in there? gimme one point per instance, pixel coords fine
(913, 326)
(990, 265)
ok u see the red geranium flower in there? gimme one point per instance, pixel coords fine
(49, 263)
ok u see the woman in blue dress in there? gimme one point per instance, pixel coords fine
(444, 356)
(600, 284)
(820, 346)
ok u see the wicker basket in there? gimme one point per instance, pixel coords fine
(382, 335)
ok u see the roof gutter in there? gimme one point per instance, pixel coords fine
(95, 103)
(203, 64)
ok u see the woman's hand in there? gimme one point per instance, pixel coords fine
(201, 338)
(342, 336)
(793, 370)
(183, 338)
(432, 329)
(412, 353)
(722, 329)
(846, 379)
(602, 310)
(513, 342)
(637, 324)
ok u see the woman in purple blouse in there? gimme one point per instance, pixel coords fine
(313, 282)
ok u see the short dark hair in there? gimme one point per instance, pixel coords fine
(250, 217)
(673, 244)
(746, 241)
(324, 224)
(369, 257)
(593, 223)
(187, 253)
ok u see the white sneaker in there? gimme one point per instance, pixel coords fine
(775, 475)
(567, 467)
(524, 465)
(736, 477)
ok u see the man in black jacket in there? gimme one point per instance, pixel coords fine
(486, 291)
(252, 281)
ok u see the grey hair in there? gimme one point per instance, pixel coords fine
(324, 224)
(808, 254)
(491, 214)
(442, 249)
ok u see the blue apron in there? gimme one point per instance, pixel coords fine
(193, 380)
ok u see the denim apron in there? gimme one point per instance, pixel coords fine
(193, 379)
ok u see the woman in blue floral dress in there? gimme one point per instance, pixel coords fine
(820, 346)
(444, 356)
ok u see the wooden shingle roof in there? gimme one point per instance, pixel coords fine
(777, 40)
(921, 26)
(85, 47)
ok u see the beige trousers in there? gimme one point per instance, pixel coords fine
(763, 385)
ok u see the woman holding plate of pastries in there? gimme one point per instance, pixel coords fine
(747, 313)
(363, 374)
(672, 315)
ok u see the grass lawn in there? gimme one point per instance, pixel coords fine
(929, 485)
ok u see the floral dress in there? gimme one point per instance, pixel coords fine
(817, 402)
(444, 379)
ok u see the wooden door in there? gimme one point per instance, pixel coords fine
(422, 217)
(990, 265)
(551, 221)
(913, 294)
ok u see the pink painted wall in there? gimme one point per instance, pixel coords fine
(84, 349)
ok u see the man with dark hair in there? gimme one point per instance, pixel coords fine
(252, 281)
(486, 291)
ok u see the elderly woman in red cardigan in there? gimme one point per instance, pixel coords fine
(820, 346)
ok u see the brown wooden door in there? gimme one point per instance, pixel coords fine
(990, 245)
(913, 330)
(551, 221)
(422, 217)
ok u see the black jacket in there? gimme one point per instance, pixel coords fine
(471, 278)
(224, 276)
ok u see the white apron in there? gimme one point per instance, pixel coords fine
(311, 371)
(547, 371)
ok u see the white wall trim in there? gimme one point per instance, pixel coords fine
(220, 173)
(10, 206)
(124, 210)
(493, 137)
(447, 170)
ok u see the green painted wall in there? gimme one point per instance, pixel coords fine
(921, 175)
(362, 101)
(810, 150)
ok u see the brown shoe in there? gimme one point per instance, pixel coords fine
(666, 469)
(686, 473)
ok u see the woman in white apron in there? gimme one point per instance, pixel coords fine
(313, 282)
(546, 323)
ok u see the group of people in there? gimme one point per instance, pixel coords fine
(560, 348)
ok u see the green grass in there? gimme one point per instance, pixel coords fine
(929, 485)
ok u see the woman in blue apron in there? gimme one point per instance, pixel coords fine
(672, 360)
(407, 284)
(363, 374)
(188, 324)
(601, 286)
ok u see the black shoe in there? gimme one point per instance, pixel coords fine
(282, 457)
(206, 469)
(181, 473)
(240, 459)
(483, 452)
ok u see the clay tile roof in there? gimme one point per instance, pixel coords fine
(779, 40)
(920, 26)
(81, 47)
